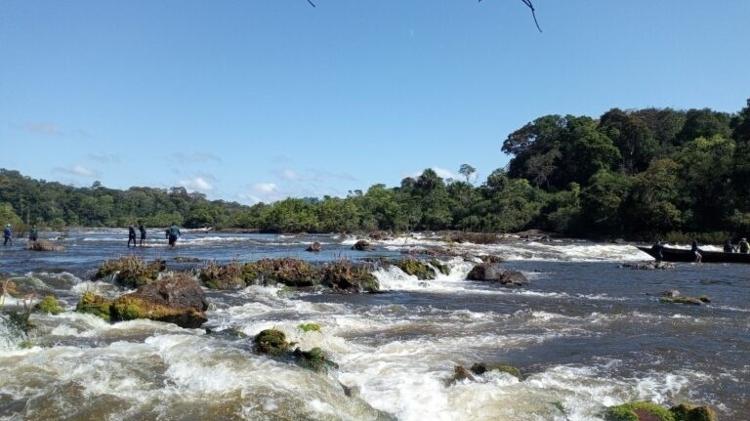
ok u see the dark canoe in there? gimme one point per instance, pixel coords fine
(682, 255)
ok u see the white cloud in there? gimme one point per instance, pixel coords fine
(199, 184)
(78, 171)
(265, 188)
(289, 174)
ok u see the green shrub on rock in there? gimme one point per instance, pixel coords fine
(309, 327)
(636, 411)
(290, 272)
(49, 305)
(131, 271)
(344, 276)
(228, 277)
(271, 342)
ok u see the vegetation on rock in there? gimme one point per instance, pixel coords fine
(49, 305)
(287, 271)
(345, 276)
(314, 359)
(480, 369)
(309, 327)
(647, 411)
(272, 342)
(43, 245)
(414, 267)
(227, 277)
(91, 303)
(131, 271)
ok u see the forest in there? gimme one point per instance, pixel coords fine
(627, 174)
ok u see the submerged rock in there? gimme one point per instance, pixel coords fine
(271, 342)
(186, 259)
(647, 411)
(362, 245)
(488, 272)
(649, 266)
(43, 245)
(460, 374)
(314, 359)
(315, 247)
(481, 369)
(674, 297)
(229, 277)
(131, 271)
(344, 276)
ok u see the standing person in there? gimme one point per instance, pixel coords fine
(131, 236)
(697, 251)
(728, 247)
(174, 234)
(8, 235)
(744, 246)
(142, 229)
(33, 235)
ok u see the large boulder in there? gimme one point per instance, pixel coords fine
(362, 245)
(174, 299)
(271, 342)
(344, 276)
(490, 272)
(417, 268)
(314, 248)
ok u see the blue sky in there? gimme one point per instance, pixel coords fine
(259, 99)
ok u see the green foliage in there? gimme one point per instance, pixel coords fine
(639, 174)
(130, 271)
(414, 267)
(228, 277)
(309, 327)
(271, 342)
(91, 303)
(49, 305)
(629, 412)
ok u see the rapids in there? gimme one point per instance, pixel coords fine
(586, 333)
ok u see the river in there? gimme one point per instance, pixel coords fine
(586, 333)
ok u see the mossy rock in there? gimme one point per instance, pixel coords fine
(228, 277)
(685, 412)
(271, 342)
(314, 359)
(480, 369)
(290, 272)
(309, 327)
(441, 267)
(131, 271)
(91, 303)
(639, 411)
(344, 276)
(42, 245)
(414, 267)
(131, 307)
(49, 305)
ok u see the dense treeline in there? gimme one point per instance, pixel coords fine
(628, 173)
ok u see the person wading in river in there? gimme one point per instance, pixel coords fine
(142, 229)
(697, 251)
(8, 235)
(33, 234)
(744, 246)
(173, 233)
(131, 236)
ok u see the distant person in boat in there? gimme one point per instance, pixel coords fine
(33, 234)
(173, 233)
(728, 247)
(8, 235)
(744, 246)
(142, 229)
(697, 251)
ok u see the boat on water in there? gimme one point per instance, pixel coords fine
(670, 254)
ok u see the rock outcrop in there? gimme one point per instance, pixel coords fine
(344, 276)
(647, 411)
(315, 247)
(43, 245)
(490, 272)
(131, 271)
(362, 245)
(176, 298)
